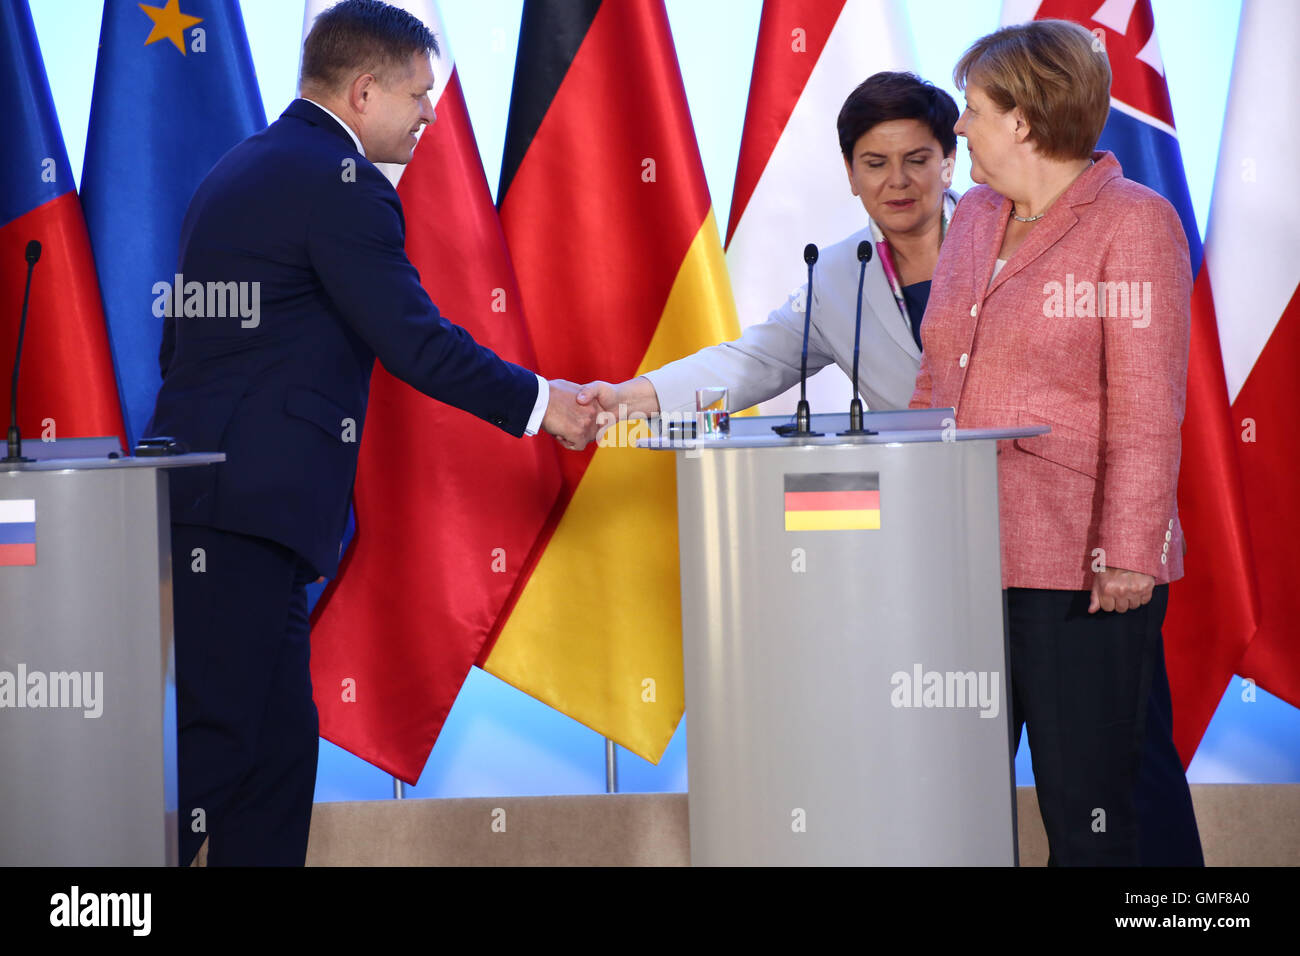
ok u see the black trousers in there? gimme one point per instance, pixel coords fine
(246, 722)
(1093, 692)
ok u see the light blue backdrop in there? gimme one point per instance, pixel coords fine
(497, 741)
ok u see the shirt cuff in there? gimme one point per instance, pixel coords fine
(539, 410)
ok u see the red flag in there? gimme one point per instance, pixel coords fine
(447, 507)
(1253, 254)
(790, 183)
(1211, 614)
(66, 387)
(607, 212)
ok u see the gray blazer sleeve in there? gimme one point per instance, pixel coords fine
(759, 365)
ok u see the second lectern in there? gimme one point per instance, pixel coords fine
(844, 647)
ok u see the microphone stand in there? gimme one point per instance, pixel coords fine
(803, 413)
(855, 407)
(15, 437)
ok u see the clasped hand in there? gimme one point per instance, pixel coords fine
(577, 415)
(1115, 589)
(574, 417)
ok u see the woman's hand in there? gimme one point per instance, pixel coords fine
(1118, 590)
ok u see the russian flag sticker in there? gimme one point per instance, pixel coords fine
(17, 532)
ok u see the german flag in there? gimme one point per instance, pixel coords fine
(832, 501)
(608, 219)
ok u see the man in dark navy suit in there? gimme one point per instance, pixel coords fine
(298, 227)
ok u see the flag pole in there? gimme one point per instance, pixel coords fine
(399, 789)
(611, 767)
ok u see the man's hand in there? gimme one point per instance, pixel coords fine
(572, 424)
(1118, 590)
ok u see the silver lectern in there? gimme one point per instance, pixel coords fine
(87, 690)
(843, 642)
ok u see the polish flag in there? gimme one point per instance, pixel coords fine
(1253, 255)
(791, 188)
(447, 508)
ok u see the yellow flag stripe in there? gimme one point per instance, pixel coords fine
(596, 632)
(832, 520)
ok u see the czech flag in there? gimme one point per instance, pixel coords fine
(66, 388)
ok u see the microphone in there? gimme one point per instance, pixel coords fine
(15, 456)
(855, 407)
(803, 414)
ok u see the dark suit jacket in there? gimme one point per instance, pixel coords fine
(298, 210)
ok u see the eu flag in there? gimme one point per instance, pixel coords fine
(174, 90)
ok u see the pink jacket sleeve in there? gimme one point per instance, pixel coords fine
(1145, 368)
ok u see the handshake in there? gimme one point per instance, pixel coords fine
(578, 414)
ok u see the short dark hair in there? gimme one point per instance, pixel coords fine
(362, 35)
(892, 96)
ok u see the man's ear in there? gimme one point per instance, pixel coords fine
(361, 91)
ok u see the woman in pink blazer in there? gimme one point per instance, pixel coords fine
(1062, 297)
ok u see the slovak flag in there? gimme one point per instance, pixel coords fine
(1213, 609)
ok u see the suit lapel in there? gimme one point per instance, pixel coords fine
(1048, 232)
(879, 298)
(986, 239)
(1060, 219)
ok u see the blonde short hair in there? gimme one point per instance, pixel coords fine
(1055, 71)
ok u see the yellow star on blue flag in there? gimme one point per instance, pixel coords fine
(169, 23)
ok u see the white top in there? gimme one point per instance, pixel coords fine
(996, 269)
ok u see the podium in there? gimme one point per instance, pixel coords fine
(87, 688)
(844, 648)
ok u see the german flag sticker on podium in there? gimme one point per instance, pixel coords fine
(832, 501)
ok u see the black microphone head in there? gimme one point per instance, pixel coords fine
(810, 253)
(33, 251)
(864, 251)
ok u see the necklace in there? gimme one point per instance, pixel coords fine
(1044, 212)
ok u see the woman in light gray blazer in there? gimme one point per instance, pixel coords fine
(896, 135)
